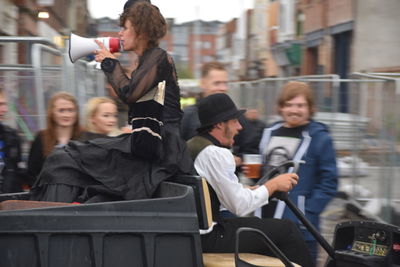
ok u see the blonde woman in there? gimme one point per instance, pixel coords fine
(101, 118)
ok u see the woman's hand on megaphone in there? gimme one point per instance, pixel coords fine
(102, 53)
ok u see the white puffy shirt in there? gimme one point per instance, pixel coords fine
(217, 166)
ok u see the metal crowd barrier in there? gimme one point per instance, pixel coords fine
(46, 70)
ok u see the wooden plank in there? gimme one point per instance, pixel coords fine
(228, 260)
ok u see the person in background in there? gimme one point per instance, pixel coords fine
(214, 161)
(62, 126)
(299, 137)
(10, 153)
(214, 79)
(101, 118)
(248, 140)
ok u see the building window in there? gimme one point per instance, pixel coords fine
(299, 24)
(206, 45)
(207, 58)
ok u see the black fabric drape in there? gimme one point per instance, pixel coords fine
(105, 169)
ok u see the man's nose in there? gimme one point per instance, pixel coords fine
(223, 88)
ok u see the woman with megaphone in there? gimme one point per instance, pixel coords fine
(155, 77)
(129, 166)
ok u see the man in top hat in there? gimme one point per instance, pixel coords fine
(213, 160)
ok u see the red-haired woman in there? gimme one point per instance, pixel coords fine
(62, 126)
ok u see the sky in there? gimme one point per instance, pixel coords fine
(181, 10)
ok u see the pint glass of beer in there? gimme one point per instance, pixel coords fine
(253, 163)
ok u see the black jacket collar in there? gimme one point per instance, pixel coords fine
(213, 140)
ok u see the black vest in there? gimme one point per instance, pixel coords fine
(196, 145)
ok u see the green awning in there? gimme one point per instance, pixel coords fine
(293, 53)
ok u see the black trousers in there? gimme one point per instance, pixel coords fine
(283, 233)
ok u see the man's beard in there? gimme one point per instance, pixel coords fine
(228, 136)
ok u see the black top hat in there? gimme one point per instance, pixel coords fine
(217, 108)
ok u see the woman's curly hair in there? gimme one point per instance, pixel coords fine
(147, 22)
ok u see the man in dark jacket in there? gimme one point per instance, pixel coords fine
(300, 138)
(214, 79)
(248, 139)
(10, 153)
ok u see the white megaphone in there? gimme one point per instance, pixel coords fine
(81, 47)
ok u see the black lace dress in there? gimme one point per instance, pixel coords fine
(129, 166)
